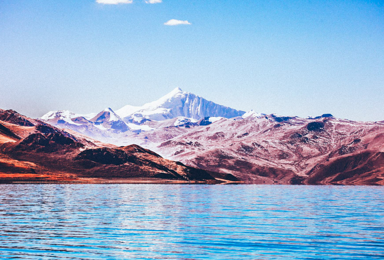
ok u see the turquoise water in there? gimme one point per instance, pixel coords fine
(191, 222)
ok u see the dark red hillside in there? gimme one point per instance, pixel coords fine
(47, 153)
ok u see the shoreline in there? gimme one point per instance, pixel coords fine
(119, 181)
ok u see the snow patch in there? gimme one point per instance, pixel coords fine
(140, 127)
(184, 120)
(112, 115)
(127, 110)
(215, 119)
(252, 114)
(63, 115)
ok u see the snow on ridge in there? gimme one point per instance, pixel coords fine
(182, 108)
(127, 110)
(112, 115)
(48, 115)
(215, 119)
(107, 116)
(179, 103)
(61, 114)
(58, 113)
(167, 101)
(89, 116)
(252, 113)
(181, 120)
(140, 127)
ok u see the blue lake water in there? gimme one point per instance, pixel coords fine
(191, 222)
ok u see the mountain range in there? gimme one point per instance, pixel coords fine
(34, 151)
(183, 107)
(227, 144)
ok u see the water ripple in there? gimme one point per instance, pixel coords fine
(191, 222)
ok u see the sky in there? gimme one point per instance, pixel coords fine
(294, 57)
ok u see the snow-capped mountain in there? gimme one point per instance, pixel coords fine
(177, 103)
(177, 108)
(252, 147)
(108, 119)
(102, 125)
(65, 116)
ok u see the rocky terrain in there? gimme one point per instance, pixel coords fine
(250, 147)
(253, 148)
(259, 148)
(286, 150)
(32, 150)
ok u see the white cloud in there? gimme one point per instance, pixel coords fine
(114, 2)
(176, 22)
(153, 1)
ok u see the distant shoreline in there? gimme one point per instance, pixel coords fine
(160, 181)
(118, 181)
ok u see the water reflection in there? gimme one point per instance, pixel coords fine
(191, 221)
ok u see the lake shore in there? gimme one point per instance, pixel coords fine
(50, 179)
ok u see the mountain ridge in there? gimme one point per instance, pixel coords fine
(256, 147)
(176, 104)
(39, 152)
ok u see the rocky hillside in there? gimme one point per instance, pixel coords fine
(231, 145)
(31, 150)
(271, 149)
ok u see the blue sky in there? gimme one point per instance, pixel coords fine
(286, 57)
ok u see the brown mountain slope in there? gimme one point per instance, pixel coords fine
(41, 152)
(365, 168)
(254, 149)
(271, 149)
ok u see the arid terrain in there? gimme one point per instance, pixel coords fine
(33, 151)
(254, 148)
(284, 150)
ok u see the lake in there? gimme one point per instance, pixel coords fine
(191, 222)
